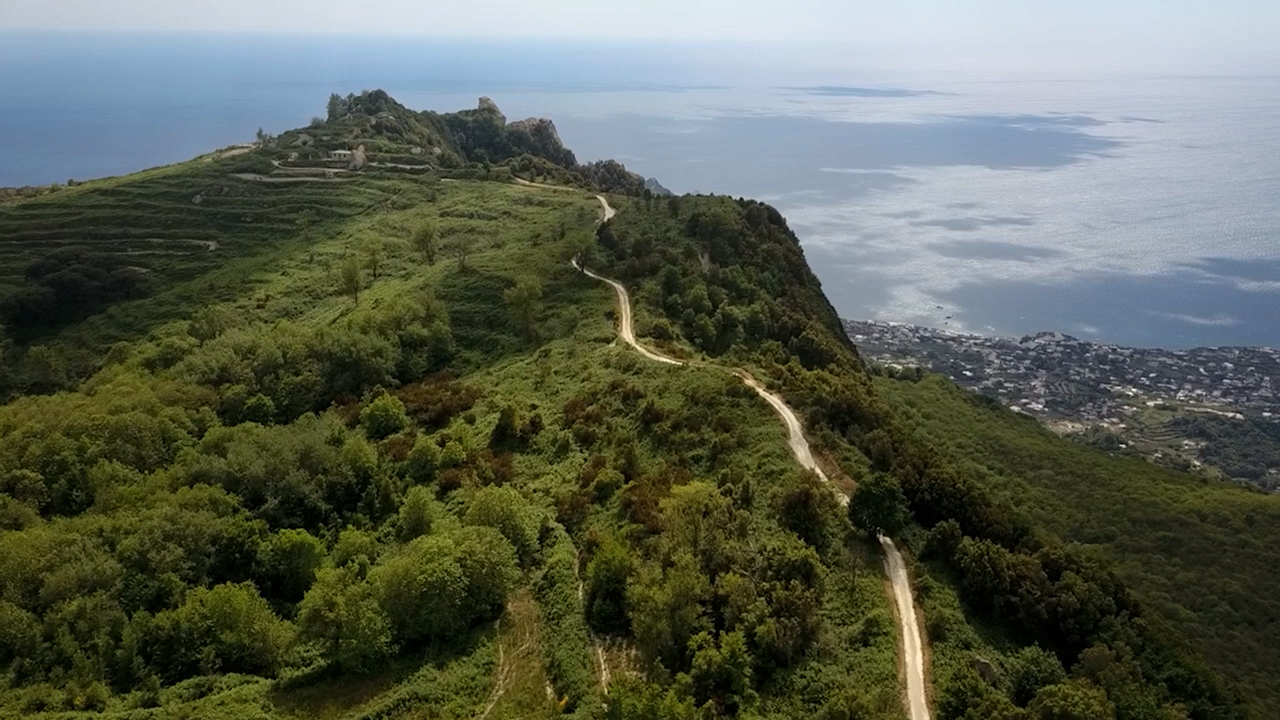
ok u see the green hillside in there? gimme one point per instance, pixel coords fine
(1200, 553)
(293, 434)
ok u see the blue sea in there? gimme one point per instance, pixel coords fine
(1122, 209)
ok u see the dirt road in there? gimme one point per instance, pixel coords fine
(908, 630)
(895, 568)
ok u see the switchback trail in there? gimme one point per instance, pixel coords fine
(895, 567)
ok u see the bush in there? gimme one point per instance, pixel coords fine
(355, 546)
(225, 629)
(437, 585)
(504, 509)
(384, 416)
(569, 656)
(341, 613)
(288, 562)
(607, 588)
(418, 511)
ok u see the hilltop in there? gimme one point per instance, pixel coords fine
(341, 432)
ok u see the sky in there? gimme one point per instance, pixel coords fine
(1195, 36)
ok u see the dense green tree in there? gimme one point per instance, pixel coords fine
(878, 505)
(424, 459)
(437, 585)
(942, 540)
(287, 563)
(373, 252)
(197, 536)
(720, 672)
(417, 512)
(425, 240)
(350, 278)
(808, 509)
(848, 705)
(667, 610)
(422, 590)
(701, 519)
(634, 699)
(504, 509)
(1029, 670)
(507, 430)
(461, 248)
(1072, 700)
(68, 284)
(303, 225)
(491, 568)
(966, 696)
(524, 303)
(19, 637)
(606, 588)
(355, 547)
(384, 415)
(341, 613)
(228, 628)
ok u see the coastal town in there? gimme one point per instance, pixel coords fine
(1138, 398)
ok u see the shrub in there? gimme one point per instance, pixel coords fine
(353, 545)
(384, 416)
(341, 613)
(227, 628)
(288, 562)
(417, 513)
(569, 656)
(607, 588)
(504, 509)
(437, 585)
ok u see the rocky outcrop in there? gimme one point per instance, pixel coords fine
(542, 127)
(655, 187)
(487, 105)
(538, 136)
(612, 176)
(358, 159)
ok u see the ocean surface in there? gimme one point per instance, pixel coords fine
(1127, 210)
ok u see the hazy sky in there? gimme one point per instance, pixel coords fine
(1191, 35)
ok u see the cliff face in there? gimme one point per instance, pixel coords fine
(484, 134)
(375, 120)
(656, 187)
(538, 136)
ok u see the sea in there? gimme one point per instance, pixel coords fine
(1139, 210)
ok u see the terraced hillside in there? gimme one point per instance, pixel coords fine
(376, 452)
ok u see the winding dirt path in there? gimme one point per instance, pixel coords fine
(908, 623)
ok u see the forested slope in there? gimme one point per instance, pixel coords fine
(1005, 598)
(393, 464)
(380, 455)
(1200, 553)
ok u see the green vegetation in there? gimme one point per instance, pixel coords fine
(1248, 449)
(316, 472)
(725, 278)
(1197, 554)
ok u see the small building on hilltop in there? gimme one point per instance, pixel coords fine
(340, 155)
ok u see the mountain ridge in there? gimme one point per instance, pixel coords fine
(232, 492)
